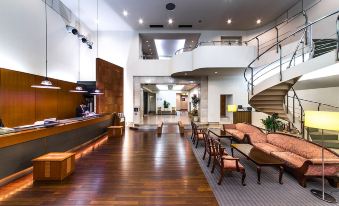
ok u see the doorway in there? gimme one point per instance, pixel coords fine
(225, 100)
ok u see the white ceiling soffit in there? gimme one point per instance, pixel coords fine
(201, 14)
(167, 47)
(109, 19)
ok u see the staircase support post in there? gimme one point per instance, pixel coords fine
(337, 38)
(287, 103)
(294, 108)
(280, 62)
(258, 45)
(252, 85)
(277, 40)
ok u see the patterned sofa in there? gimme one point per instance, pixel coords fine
(302, 157)
(241, 131)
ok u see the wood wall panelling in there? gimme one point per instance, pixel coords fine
(109, 78)
(20, 104)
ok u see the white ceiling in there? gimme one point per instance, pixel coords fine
(212, 13)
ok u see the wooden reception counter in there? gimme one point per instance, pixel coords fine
(19, 148)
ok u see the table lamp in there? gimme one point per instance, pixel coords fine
(232, 108)
(324, 121)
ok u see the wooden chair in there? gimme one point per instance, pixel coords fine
(209, 149)
(198, 135)
(226, 163)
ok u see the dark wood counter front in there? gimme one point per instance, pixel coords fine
(18, 149)
(29, 135)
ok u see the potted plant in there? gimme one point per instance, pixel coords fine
(272, 124)
(166, 104)
(195, 102)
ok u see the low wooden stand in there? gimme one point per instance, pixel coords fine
(181, 128)
(53, 166)
(115, 131)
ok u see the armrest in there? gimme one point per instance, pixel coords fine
(230, 158)
(229, 126)
(326, 161)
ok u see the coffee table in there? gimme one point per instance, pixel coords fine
(220, 133)
(259, 158)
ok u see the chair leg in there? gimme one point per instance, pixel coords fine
(214, 162)
(221, 175)
(243, 178)
(209, 160)
(204, 154)
(196, 146)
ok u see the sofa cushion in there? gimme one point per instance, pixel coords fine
(316, 170)
(267, 147)
(236, 133)
(232, 165)
(298, 146)
(257, 137)
(292, 160)
(247, 128)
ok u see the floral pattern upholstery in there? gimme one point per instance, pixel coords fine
(231, 165)
(292, 160)
(315, 170)
(236, 133)
(247, 128)
(257, 137)
(268, 148)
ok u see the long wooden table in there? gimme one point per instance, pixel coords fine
(261, 159)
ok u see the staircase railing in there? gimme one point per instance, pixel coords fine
(298, 52)
(304, 29)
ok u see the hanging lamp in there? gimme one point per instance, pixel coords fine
(46, 83)
(97, 91)
(78, 88)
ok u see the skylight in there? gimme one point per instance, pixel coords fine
(167, 47)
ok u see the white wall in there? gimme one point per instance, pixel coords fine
(168, 96)
(229, 85)
(23, 41)
(323, 95)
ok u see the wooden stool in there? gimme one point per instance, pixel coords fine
(53, 166)
(115, 131)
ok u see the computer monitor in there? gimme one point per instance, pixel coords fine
(239, 106)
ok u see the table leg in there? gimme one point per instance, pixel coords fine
(281, 172)
(232, 151)
(259, 174)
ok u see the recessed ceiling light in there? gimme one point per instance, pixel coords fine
(215, 72)
(192, 41)
(146, 41)
(125, 13)
(229, 21)
(185, 74)
(141, 21)
(170, 21)
(258, 21)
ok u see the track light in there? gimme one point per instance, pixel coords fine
(72, 30)
(89, 44)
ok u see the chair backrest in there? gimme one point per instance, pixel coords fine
(218, 150)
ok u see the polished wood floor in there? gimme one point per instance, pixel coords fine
(139, 169)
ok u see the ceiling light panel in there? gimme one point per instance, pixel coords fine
(162, 87)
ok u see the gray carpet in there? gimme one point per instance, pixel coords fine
(269, 193)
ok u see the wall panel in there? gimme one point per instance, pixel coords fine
(110, 78)
(20, 104)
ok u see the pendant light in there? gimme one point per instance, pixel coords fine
(78, 88)
(97, 91)
(46, 83)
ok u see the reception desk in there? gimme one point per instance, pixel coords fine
(19, 148)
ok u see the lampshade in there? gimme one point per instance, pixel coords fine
(97, 92)
(322, 120)
(78, 89)
(45, 84)
(232, 108)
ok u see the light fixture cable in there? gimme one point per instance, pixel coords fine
(46, 43)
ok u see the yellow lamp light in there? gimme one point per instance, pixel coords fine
(232, 108)
(322, 120)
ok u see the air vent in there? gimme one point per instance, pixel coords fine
(60, 8)
(185, 26)
(156, 26)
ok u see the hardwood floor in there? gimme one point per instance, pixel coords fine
(139, 169)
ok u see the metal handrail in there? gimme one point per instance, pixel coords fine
(291, 35)
(224, 42)
(318, 103)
